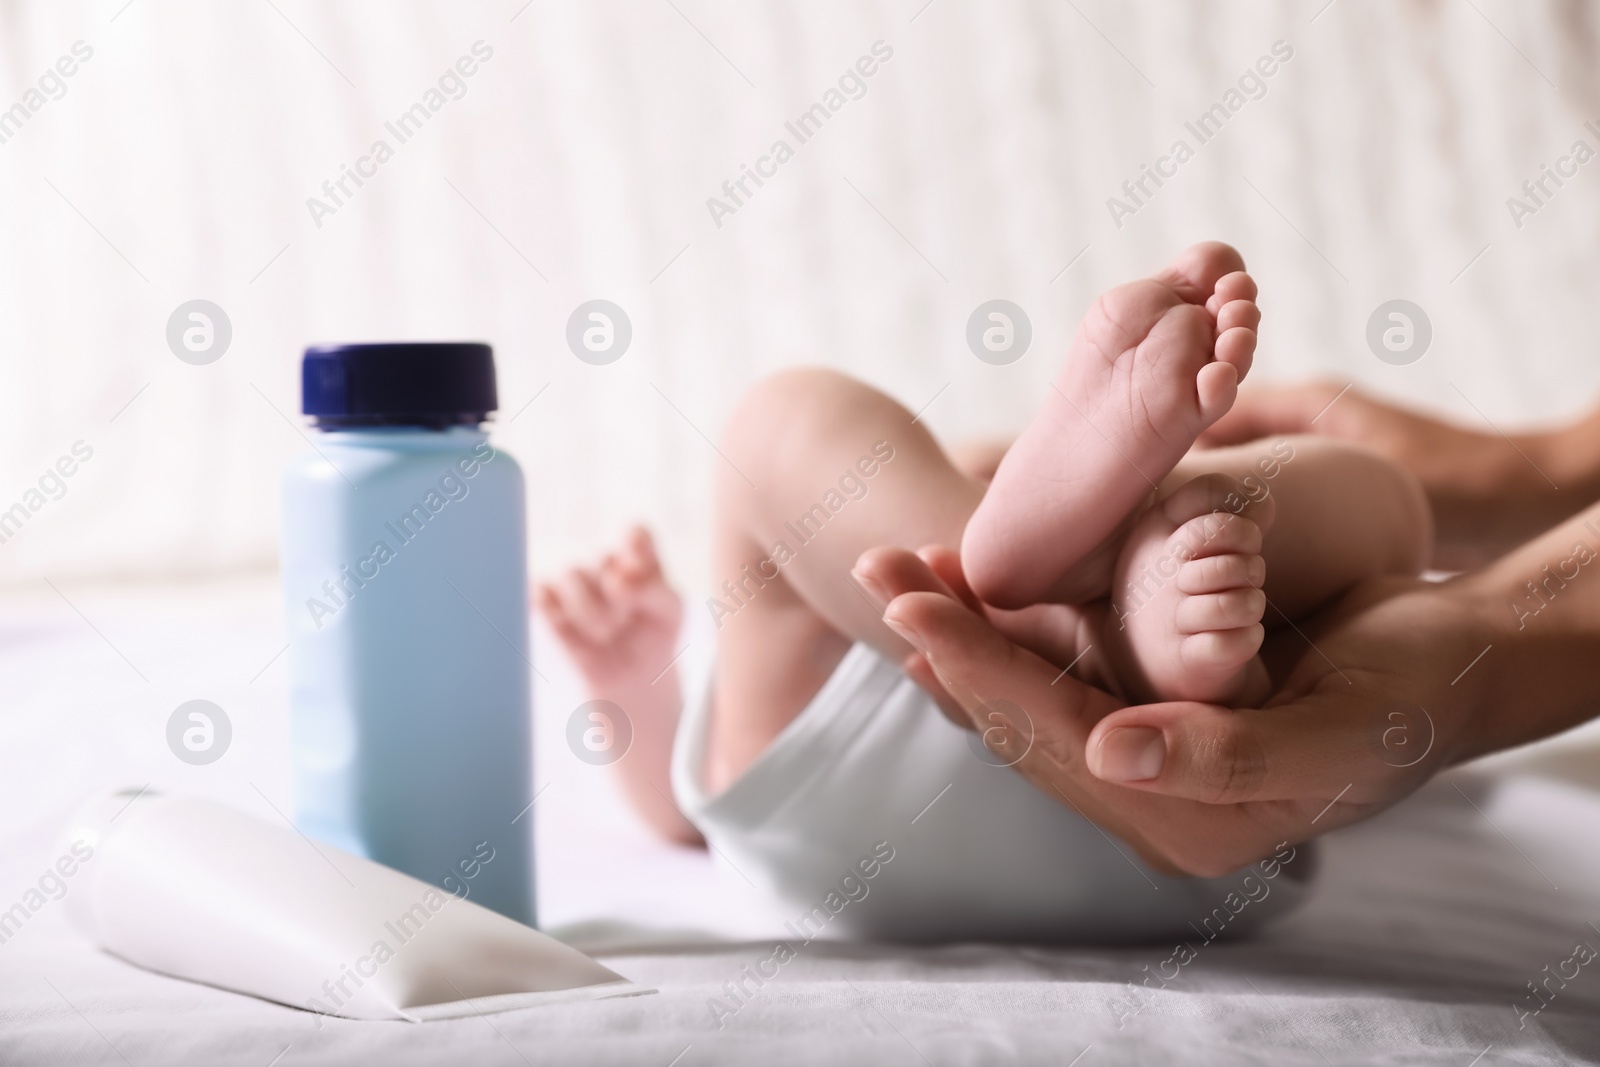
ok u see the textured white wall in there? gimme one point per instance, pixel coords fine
(178, 163)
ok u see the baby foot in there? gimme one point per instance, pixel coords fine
(619, 622)
(1154, 363)
(1186, 600)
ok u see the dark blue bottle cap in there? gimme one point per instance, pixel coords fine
(432, 384)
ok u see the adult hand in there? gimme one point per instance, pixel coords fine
(1435, 451)
(1362, 714)
(1489, 492)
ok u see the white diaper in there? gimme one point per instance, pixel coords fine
(872, 817)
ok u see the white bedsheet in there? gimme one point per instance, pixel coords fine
(1429, 922)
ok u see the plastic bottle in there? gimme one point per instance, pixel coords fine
(405, 573)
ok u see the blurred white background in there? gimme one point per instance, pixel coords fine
(178, 162)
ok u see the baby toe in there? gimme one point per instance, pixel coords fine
(586, 604)
(1216, 574)
(1222, 648)
(1236, 347)
(554, 610)
(1231, 609)
(1195, 272)
(617, 586)
(1238, 313)
(1218, 387)
(1235, 286)
(638, 553)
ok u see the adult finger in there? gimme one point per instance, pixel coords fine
(987, 673)
(919, 671)
(1272, 409)
(891, 572)
(885, 573)
(945, 563)
(1317, 749)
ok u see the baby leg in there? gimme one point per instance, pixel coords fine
(819, 469)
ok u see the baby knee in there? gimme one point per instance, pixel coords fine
(783, 412)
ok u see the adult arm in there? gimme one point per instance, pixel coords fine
(1489, 492)
(1374, 696)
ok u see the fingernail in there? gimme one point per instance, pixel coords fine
(871, 587)
(905, 631)
(1130, 754)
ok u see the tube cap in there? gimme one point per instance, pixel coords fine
(433, 384)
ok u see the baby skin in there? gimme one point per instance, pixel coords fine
(1102, 539)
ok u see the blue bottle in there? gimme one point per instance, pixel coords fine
(405, 573)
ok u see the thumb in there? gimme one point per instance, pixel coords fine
(1310, 752)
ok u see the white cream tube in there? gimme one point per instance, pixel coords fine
(199, 891)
